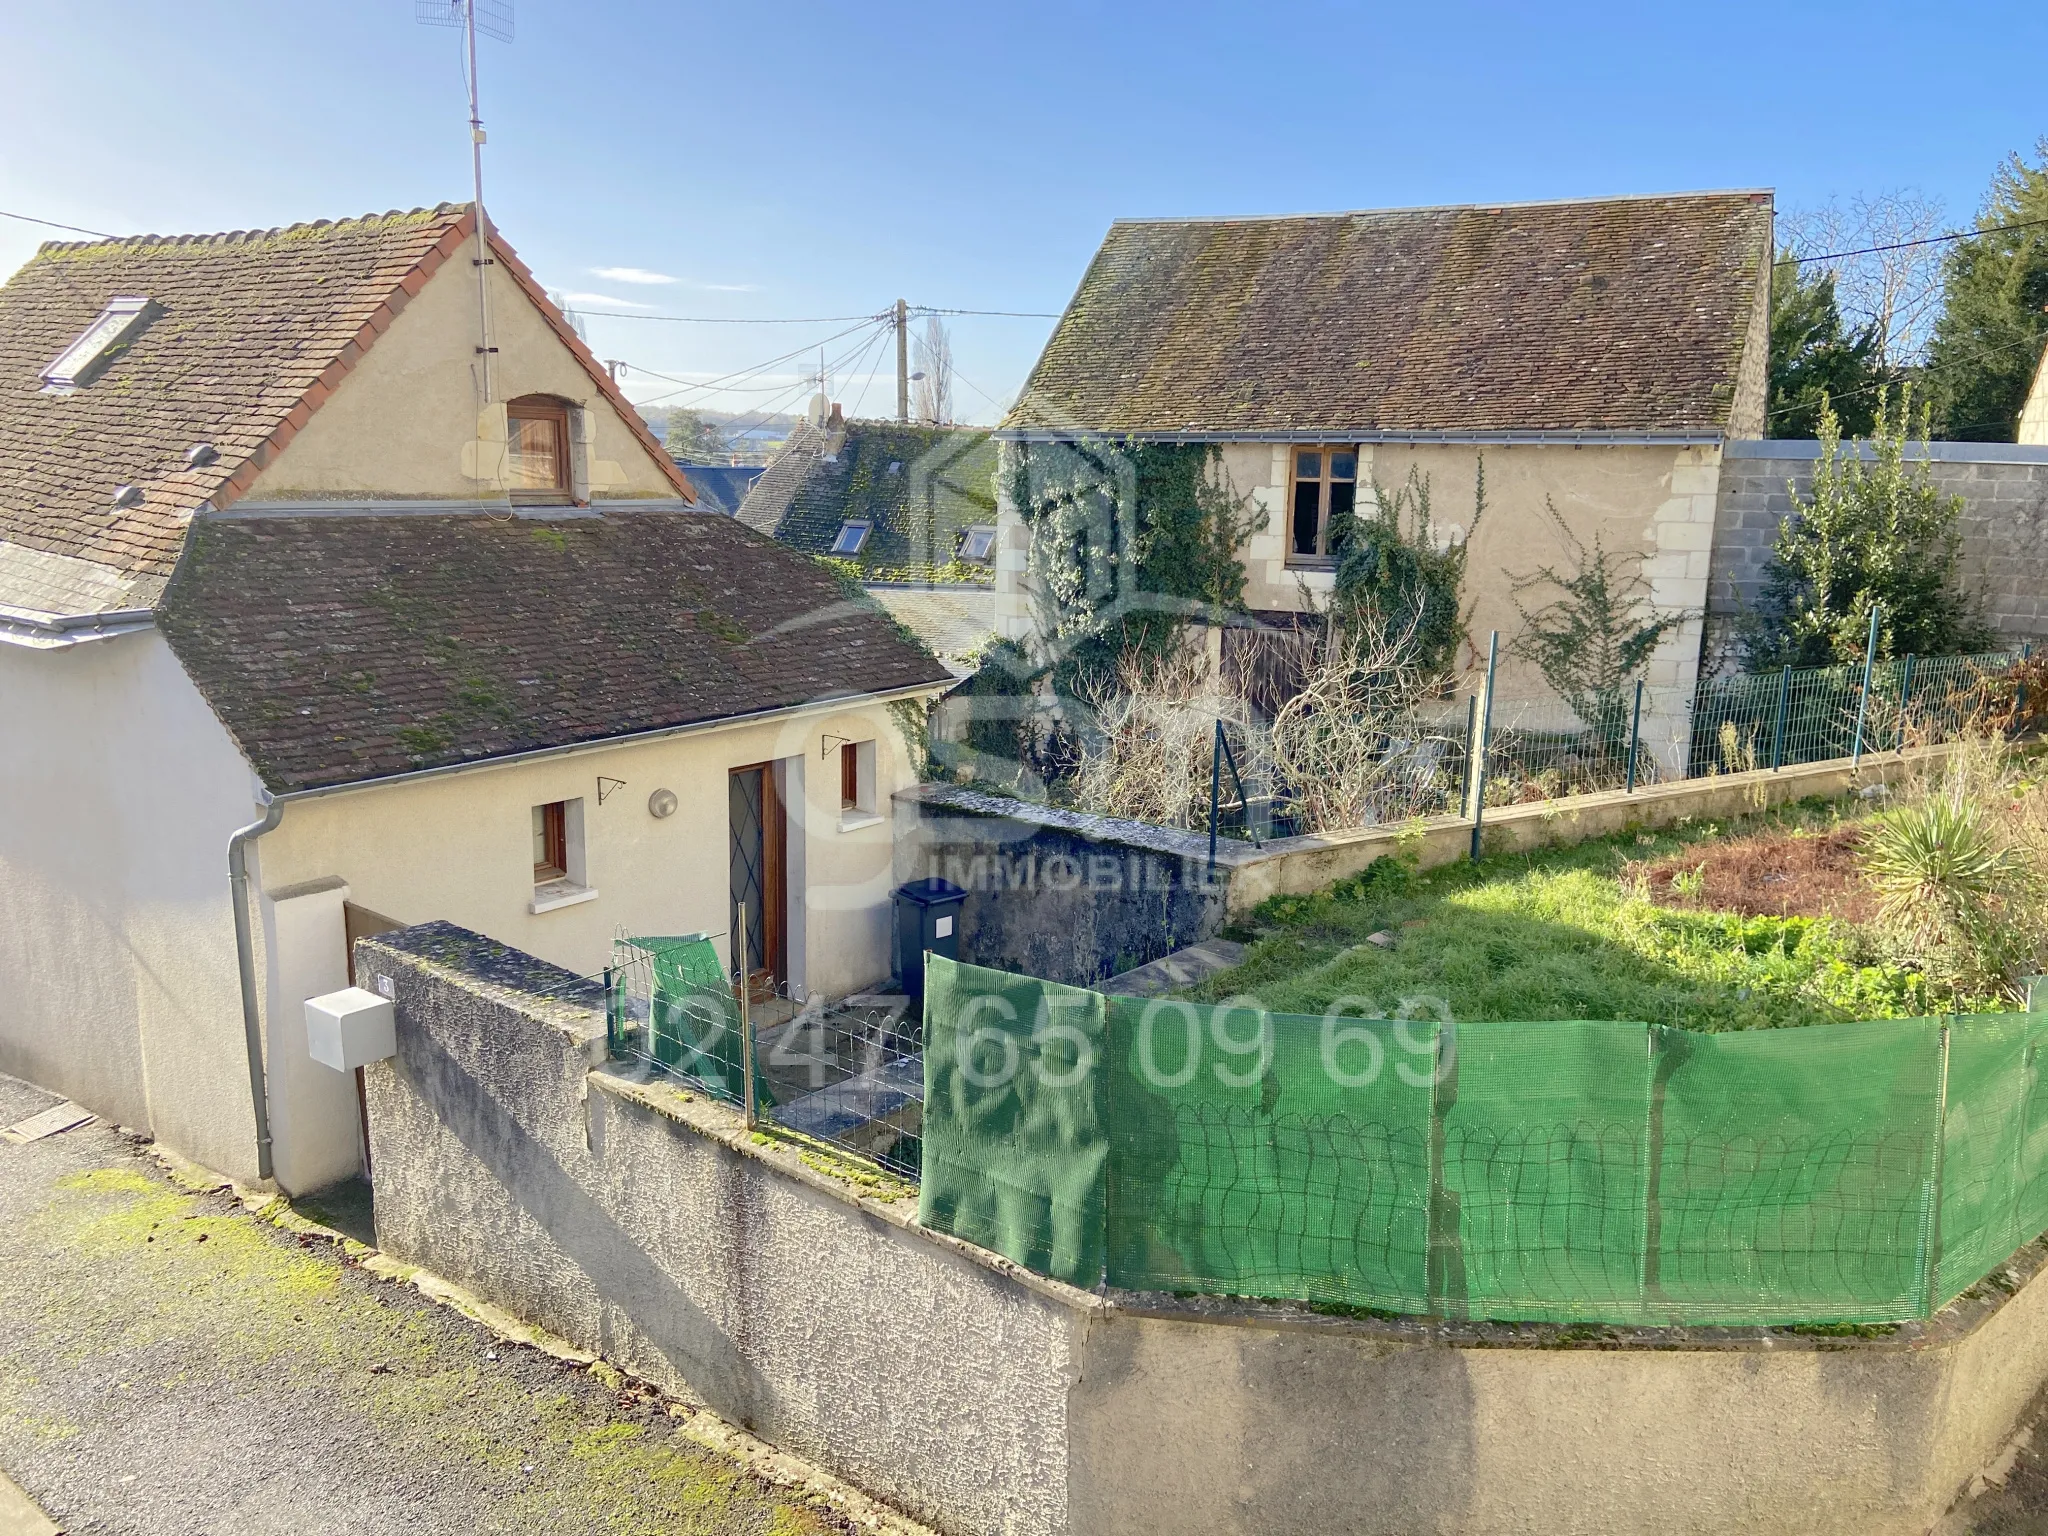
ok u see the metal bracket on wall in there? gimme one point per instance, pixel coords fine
(607, 787)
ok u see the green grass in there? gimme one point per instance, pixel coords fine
(1561, 934)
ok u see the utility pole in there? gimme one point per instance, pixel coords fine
(902, 361)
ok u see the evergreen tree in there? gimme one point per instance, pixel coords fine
(1988, 340)
(693, 440)
(1814, 359)
(1881, 533)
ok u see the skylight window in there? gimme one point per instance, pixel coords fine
(117, 325)
(976, 543)
(851, 537)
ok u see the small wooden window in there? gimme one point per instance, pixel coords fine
(1325, 489)
(537, 447)
(551, 842)
(849, 776)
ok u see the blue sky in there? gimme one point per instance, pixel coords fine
(799, 160)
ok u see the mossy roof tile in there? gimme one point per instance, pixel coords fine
(343, 648)
(1619, 315)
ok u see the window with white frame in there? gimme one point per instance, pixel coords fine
(977, 543)
(852, 536)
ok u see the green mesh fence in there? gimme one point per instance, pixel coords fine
(675, 990)
(1562, 1172)
(1012, 1080)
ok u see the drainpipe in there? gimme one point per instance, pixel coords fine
(245, 960)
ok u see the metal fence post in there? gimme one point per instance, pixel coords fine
(1778, 733)
(1930, 1206)
(1635, 737)
(1215, 786)
(611, 1013)
(1905, 695)
(1485, 743)
(2019, 696)
(746, 970)
(1863, 698)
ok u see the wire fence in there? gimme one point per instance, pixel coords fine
(849, 1072)
(1495, 749)
(1530, 1172)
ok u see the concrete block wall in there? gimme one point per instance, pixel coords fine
(2004, 487)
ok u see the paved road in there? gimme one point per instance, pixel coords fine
(172, 1366)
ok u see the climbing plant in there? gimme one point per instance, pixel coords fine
(1594, 637)
(1129, 541)
(1396, 570)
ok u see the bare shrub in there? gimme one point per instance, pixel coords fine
(1148, 755)
(1349, 744)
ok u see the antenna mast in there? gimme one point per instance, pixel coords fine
(494, 17)
(483, 220)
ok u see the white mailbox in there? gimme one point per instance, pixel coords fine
(350, 1028)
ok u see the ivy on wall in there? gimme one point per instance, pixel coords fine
(1129, 541)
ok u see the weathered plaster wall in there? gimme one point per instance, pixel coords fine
(117, 950)
(460, 845)
(652, 1229)
(1053, 893)
(405, 421)
(2004, 523)
(1219, 1427)
(1652, 504)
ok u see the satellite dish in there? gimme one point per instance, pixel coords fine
(820, 408)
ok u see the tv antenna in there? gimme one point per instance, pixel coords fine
(494, 19)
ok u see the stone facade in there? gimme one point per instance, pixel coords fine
(2004, 488)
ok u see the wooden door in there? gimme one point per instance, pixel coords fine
(758, 837)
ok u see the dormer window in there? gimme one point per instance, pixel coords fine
(537, 448)
(976, 544)
(852, 535)
(118, 324)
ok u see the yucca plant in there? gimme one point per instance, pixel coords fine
(1943, 872)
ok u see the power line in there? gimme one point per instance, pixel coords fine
(1904, 245)
(27, 218)
(2029, 342)
(759, 368)
(915, 309)
(612, 314)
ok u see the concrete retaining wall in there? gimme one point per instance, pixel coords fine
(2004, 487)
(646, 1224)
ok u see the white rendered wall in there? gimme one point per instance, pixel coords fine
(315, 1126)
(117, 953)
(459, 846)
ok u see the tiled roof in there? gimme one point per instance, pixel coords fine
(920, 488)
(1623, 315)
(953, 622)
(255, 330)
(721, 487)
(337, 648)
